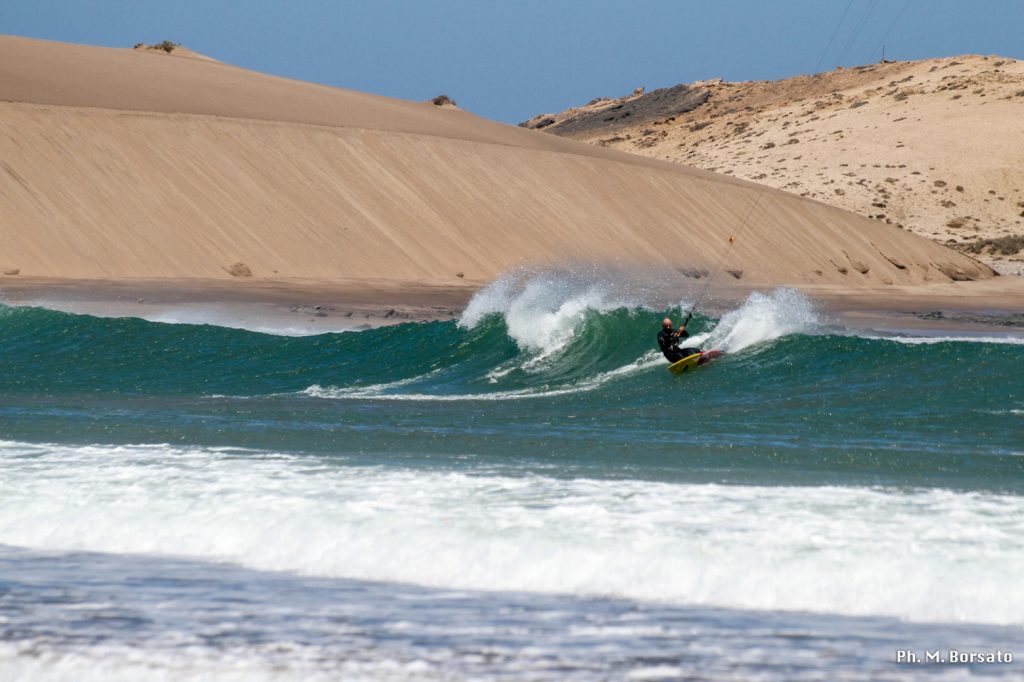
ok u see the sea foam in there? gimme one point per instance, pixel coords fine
(924, 555)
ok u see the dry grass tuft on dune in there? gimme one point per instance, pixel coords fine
(935, 146)
(128, 163)
(168, 47)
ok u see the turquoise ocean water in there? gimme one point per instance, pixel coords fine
(523, 494)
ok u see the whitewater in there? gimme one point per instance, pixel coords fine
(523, 493)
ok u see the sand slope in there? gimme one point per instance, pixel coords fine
(935, 146)
(122, 163)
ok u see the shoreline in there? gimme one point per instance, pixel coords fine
(305, 307)
(317, 306)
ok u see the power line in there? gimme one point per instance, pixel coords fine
(757, 199)
(834, 34)
(856, 33)
(899, 16)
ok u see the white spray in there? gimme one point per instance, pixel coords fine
(544, 312)
(761, 318)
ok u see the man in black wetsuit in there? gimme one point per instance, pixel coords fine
(668, 341)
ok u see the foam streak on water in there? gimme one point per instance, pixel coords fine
(925, 555)
(949, 338)
(384, 391)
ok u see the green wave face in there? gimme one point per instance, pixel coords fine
(569, 386)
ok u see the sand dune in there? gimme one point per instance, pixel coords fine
(934, 146)
(44, 72)
(132, 164)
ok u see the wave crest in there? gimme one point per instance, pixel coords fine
(543, 312)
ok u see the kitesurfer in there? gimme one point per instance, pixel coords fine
(668, 341)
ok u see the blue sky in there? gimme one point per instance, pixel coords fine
(511, 60)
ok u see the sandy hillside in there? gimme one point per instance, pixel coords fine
(121, 163)
(935, 146)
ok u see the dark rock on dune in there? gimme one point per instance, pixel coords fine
(693, 273)
(654, 106)
(240, 270)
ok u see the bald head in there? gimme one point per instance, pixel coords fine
(666, 323)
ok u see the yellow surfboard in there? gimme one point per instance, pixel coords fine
(689, 362)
